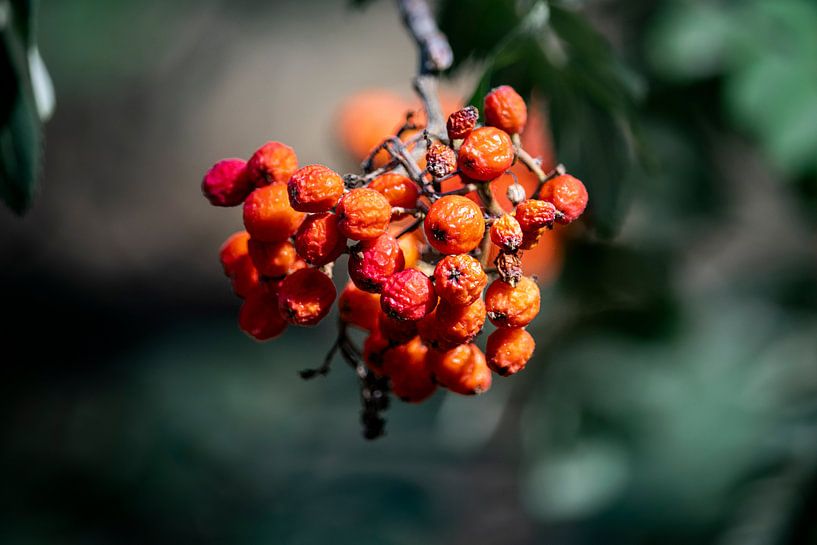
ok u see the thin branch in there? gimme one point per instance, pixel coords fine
(435, 52)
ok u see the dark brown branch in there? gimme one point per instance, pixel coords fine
(435, 52)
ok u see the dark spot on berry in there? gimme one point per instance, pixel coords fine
(438, 233)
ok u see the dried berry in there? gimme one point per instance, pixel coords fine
(440, 160)
(227, 183)
(454, 225)
(259, 317)
(506, 233)
(460, 324)
(268, 217)
(358, 308)
(272, 162)
(319, 240)
(407, 367)
(305, 297)
(486, 154)
(506, 110)
(408, 295)
(459, 279)
(462, 369)
(431, 332)
(314, 188)
(462, 122)
(364, 214)
(371, 262)
(272, 259)
(534, 215)
(512, 306)
(398, 189)
(568, 195)
(508, 350)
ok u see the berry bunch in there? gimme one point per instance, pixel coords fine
(419, 257)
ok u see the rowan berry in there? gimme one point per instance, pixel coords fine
(431, 332)
(568, 195)
(233, 250)
(411, 249)
(371, 262)
(268, 217)
(512, 306)
(374, 347)
(506, 233)
(259, 316)
(535, 214)
(319, 240)
(462, 122)
(441, 160)
(272, 162)
(486, 153)
(454, 225)
(462, 369)
(459, 279)
(408, 295)
(399, 190)
(364, 214)
(272, 259)
(314, 188)
(245, 278)
(306, 296)
(398, 331)
(508, 350)
(407, 367)
(460, 324)
(227, 183)
(358, 307)
(506, 110)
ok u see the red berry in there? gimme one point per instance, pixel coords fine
(462, 122)
(358, 307)
(397, 331)
(272, 258)
(314, 188)
(399, 190)
(408, 295)
(534, 215)
(371, 262)
(506, 110)
(305, 297)
(233, 250)
(319, 240)
(259, 317)
(226, 183)
(568, 195)
(459, 279)
(407, 367)
(462, 369)
(440, 160)
(506, 233)
(486, 154)
(364, 214)
(509, 350)
(460, 324)
(268, 216)
(512, 306)
(272, 162)
(454, 225)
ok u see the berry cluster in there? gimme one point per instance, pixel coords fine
(419, 257)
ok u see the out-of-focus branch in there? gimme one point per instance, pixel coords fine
(435, 52)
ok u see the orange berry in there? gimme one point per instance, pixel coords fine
(568, 195)
(272, 162)
(512, 306)
(259, 317)
(411, 249)
(306, 296)
(462, 122)
(319, 240)
(398, 331)
(441, 160)
(364, 214)
(459, 279)
(462, 369)
(531, 238)
(460, 324)
(314, 188)
(454, 225)
(506, 110)
(272, 258)
(508, 350)
(534, 214)
(408, 295)
(359, 308)
(233, 249)
(431, 332)
(371, 262)
(486, 153)
(374, 348)
(407, 367)
(268, 217)
(245, 278)
(226, 183)
(399, 190)
(506, 233)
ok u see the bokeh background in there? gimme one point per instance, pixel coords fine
(673, 395)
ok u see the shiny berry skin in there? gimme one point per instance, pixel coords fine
(272, 259)
(440, 160)
(233, 250)
(268, 217)
(371, 262)
(314, 188)
(407, 367)
(411, 249)
(535, 214)
(462, 122)
(259, 317)
(273, 162)
(512, 306)
(454, 225)
(227, 183)
(508, 350)
(245, 278)
(459, 279)
(319, 240)
(462, 369)
(374, 347)
(531, 238)
(506, 110)
(397, 331)
(364, 214)
(305, 297)
(506, 233)
(359, 308)
(460, 324)
(399, 190)
(486, 154)
(568, 195)
(408, 295)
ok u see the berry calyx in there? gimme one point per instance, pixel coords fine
(506, 110)
(314, 188)
(485, 154)
(305, 297)
(364, 214)
(454, 225)
(408, 295)
(227, 183)
(459, 279)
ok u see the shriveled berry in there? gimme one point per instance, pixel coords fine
(440, 160)
(512, 306)
(358, 307)
(408, 295)
(268, 217)
(259, 317)
(233, 250)
(227, 183)
(314, 188)
(506, 110)
(462, 369)
(374, 348)
(535, 214)
(399, 190)
(462, 122)
(460, 324)
(407, 367)
(305, 297)
(272, 258)
(459, 279)
(486, 154)
(454, 225)
(398, 331)
(319, 240)
(568, 195)
(431, 332)
(506, 233)
(371, 262)
(508, 350)
(272, 162)
(364, 214)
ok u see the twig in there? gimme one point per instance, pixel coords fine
(435, 52)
